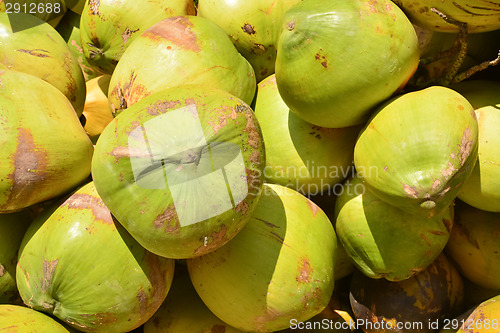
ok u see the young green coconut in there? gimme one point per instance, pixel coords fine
(182, 169)
(336, 60)
(418, 149)
(108, 27)
(176, 51)
(77, 264)
(253, 26)
(32, 46)
(482, 188)
(21, 319)
(279, 268)
(299, 155)
(45, 151)
(384, 241)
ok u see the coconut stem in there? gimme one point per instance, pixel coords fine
(474, 69)
(460, 42)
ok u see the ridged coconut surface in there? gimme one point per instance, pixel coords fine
(182, 169)
(482, 188)
(307, 158)
(32, 46)
(418, 149)
(176, 51)
(337, 59)
(21, 319)
(79, 265)
(385, 241)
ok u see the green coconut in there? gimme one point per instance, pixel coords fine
(12, 229)
(182, 169)
(108, 27)
(77, 264)
(336, 60)
(32, 46)
(415, 305)
(253, 26)
(183, 311)
(21, 319)
(418, 149)
(482, 188)
(475, 245)
(45, 151)
(279, 268)
(300, 155)
(384, 241)
(180, 50)
(69, 29)
(478, 15)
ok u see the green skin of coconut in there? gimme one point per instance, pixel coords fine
(482, 188)
(184, 311)
(434, 294)
(153, 205)
(20, 319)
(32, 46)
(45, 151)
(12, 229)
(108, 27)
(478, 15)
(253, 26)
(294, 276)
(418, 149)
(299, 155)
(325, 59)
(176, 51)
(474, 245)
(378, 236)
(77, 264)
(69, 29)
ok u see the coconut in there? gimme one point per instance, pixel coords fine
(182, 169)
(77, 264)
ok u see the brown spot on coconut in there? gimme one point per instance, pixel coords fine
(410, 190)
(465, 146)
(48, 268)
(178, 33)
(248, 29)
(218, 238)
(30, 164)
(80, 201)
(305, 270)
(168, 220)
